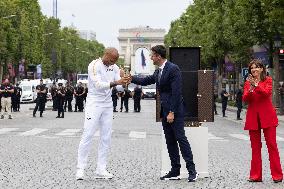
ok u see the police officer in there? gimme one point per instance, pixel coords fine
(114, 96)
(60, 100)
(85, 93)
(18, 95)
(6, 90)
(79, 92)
(45, 95)
(137, 98)
(239, 103)
(127, 95)
(224, 98)
(68, 97)
(121, 94)
(40, 100)
(53, 94)
(14, 99)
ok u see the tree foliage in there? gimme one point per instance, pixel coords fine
(25, 33)
(224, 27)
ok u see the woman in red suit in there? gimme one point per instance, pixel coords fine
(261, 115)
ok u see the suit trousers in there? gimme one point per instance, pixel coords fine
(175, 138)
(96, 118)
(256, 162)
(6, 105)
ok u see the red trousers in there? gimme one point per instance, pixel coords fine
(256, 162)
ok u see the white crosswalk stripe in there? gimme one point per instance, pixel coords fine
(97, 134)
(135, 134)
(32, 132)
(240, 136)
(68, 132)
(7, 130)
(213, 137)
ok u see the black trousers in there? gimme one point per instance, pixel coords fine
(126, 103)
(14, 103)
(239, 111)
(40, 103)
(60, 110)
(18, 102)
(54, 103)
(121, 103)
(137, 106)
(68, 100)
(79, 103)
(114, 103)
(175, 138)
(224, 107)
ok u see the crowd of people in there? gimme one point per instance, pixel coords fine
(62, 97)
(124, 95)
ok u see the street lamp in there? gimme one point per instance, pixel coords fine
(277, 45)
(277, 41)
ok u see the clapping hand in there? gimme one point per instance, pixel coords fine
(253, 81)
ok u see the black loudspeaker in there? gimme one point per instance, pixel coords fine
(188, 60)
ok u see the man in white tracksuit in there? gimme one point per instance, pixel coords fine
(103, 74)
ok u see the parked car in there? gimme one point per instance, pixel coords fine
(149, 91)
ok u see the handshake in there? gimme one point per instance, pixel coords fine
(125, 80)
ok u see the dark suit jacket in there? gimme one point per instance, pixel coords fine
(170, 88)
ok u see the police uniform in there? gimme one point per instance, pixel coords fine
(6, 100)
(60, 100)
(79, 95)
(137, 99)
(69, 97)
(54, 98)
(224, 101)
(40, 100)
(18, 97)
(239, 103)
(114, 96)
(98, 113)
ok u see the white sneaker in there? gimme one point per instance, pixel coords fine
(80, 174)
(103, 175)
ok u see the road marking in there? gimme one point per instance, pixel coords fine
(135, 134)
(280, 139)
(97, 134)
(47, 137)
(6, 130)
(240, 136)
(213, 137)
(32, 132)
(68, 132)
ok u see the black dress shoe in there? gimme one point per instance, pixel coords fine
(171, 176)
(254, 180)
(192, 178)
(239, 118)
(277, 181)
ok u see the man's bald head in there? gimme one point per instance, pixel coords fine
(110, 56)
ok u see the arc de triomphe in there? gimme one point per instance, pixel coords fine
(135, 45)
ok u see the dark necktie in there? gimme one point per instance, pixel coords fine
(159, 75)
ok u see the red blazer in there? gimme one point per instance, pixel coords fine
(260, 105)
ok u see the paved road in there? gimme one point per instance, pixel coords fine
(42, 152)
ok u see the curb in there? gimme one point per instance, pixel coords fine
(233, 109)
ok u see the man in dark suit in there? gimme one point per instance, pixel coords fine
(169, 84)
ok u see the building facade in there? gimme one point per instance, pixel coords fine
(135, 45)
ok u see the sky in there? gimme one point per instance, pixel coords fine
(106, 17)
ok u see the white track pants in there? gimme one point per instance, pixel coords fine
(96, 118)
